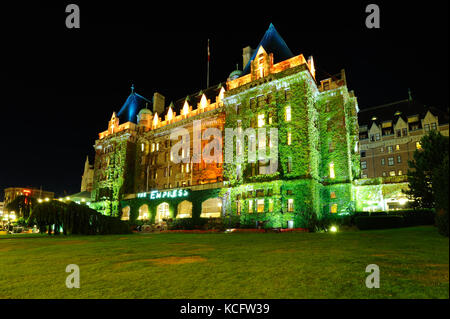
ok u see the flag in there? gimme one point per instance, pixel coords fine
(209, 56)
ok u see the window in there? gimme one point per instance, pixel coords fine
(384, 174)
(418, 146)
(333, 209)
(433, 126)
(170, 171)
(427, 127)
(399, 159)
(397, 147)
(363, 154)
(250, 206)
(383, 161)
(399, 133)
(261, 120)
(260, 193)
(392, 173)
(333, 195)
(372, 138)
(290, 205)
(165, 172)
(187, 167)
(182, 168)
(260, 205)
(153, 147)
(289, 138)
(390, 161)
(142, 147)
(400, 173)
(270, 205)
(382, 149)
(252, 103)
(364, 176)
(238, 207)
(288, 113)
(332, 170)
(364, 165)
(377, 136)
(157, 146)
(405, 132)
(289, 165)
(390, 149)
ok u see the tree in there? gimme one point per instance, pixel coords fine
(440, 185)
(434, 149)
(22, 205)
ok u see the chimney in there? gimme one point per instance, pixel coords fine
(246, 55)
(158, 103)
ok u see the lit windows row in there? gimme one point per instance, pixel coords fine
(258, 205)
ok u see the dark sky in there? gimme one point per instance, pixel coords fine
(60, 86)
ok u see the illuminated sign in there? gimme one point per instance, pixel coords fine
(176, 193)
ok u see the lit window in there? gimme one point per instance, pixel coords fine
(182, 168)
(187, 168)
(377, 136)
(142, 147)
(392, 173)
(157, 146)
(397, 147)
(390, 149)
(261, 120)
(289, 138)
(400, 173)
(427, 127)
(153, 147)
(332, 170)
(384, 174)
(399, 159)
(333, 209)
(390, 161)
(433, 126)
(333, 195)
(290, 205)
(418, 145)
(260, 206)
(270, 120)
(270, 205)
(238, 207)
(382, 149)
(288, 113)
(250, 206)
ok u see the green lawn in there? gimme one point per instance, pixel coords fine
(414, 263)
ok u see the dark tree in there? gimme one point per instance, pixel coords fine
(434, 149)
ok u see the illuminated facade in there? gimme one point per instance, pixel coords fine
(135, 175)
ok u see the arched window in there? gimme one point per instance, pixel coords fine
(125, 213)
(143, 212)
(162, 212)
(184, 209)
(212, 208)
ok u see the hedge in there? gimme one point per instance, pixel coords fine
(378, 222)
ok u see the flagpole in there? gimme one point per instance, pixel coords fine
(207, 75)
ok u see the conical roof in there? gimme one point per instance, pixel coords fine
(131, 106)
(272, 42)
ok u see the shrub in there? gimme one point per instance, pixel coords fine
(378, 222)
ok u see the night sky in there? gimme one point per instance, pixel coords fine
(60, 86)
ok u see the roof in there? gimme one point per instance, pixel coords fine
(403, 109)
(129, 110)
(193, 99)
(81, 195)
(272, 42)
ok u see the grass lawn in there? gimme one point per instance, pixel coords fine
(414, 263)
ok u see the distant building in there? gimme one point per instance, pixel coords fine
(389, 134)
(88, 177)
(13, 192)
